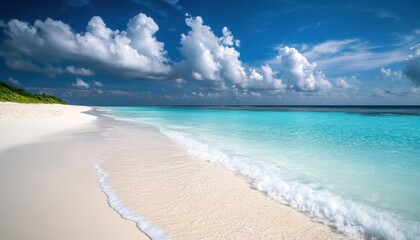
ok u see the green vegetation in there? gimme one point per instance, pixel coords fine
(10, 93)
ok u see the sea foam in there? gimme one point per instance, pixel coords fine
(355, 220)
(142, 224)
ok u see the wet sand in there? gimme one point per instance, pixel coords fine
(189, 198)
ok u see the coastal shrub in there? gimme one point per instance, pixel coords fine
(10, 93)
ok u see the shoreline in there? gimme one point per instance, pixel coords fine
(189, 198)
(48, 186)
(50, 177)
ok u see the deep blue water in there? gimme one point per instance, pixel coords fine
(357, 169)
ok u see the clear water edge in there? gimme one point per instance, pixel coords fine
(346, 196)
(145, 226)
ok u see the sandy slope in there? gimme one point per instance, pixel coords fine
(48, 187)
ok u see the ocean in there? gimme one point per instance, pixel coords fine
(354, 168)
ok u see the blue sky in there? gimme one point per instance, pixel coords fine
(214, 52)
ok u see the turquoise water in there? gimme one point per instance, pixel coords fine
(357, 169)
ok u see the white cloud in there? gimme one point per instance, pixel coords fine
(346, 82)
(197, 76)
(299, 72)
(228, 39)
(255, 76)
(352, 55)
(79, 83)
(360, 61)
(412, 68)
(208, 57)
(398, 74)
(131, 53)
(388, 73)
(328, 48)
(265, 79)
(179, 82)
(96, 84)
(13, 81)
(245, 93)
(270, 77)
(79, 71)
(199, 94)
(136, 53)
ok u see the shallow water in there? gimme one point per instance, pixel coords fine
(357, 169)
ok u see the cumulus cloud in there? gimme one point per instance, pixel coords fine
(228, 39)
(264, 78)
(79, 83)
(301, 74)
(254, 75)
(270, 77)
(346, 82)
(412, 68)
(245, 93)
(179, 82)
(388, 73)
(134, 52)
(209, 57)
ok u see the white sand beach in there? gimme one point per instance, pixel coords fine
(49, 189)
(192, 199)
(27, 123)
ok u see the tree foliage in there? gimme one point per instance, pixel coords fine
(10, 93)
